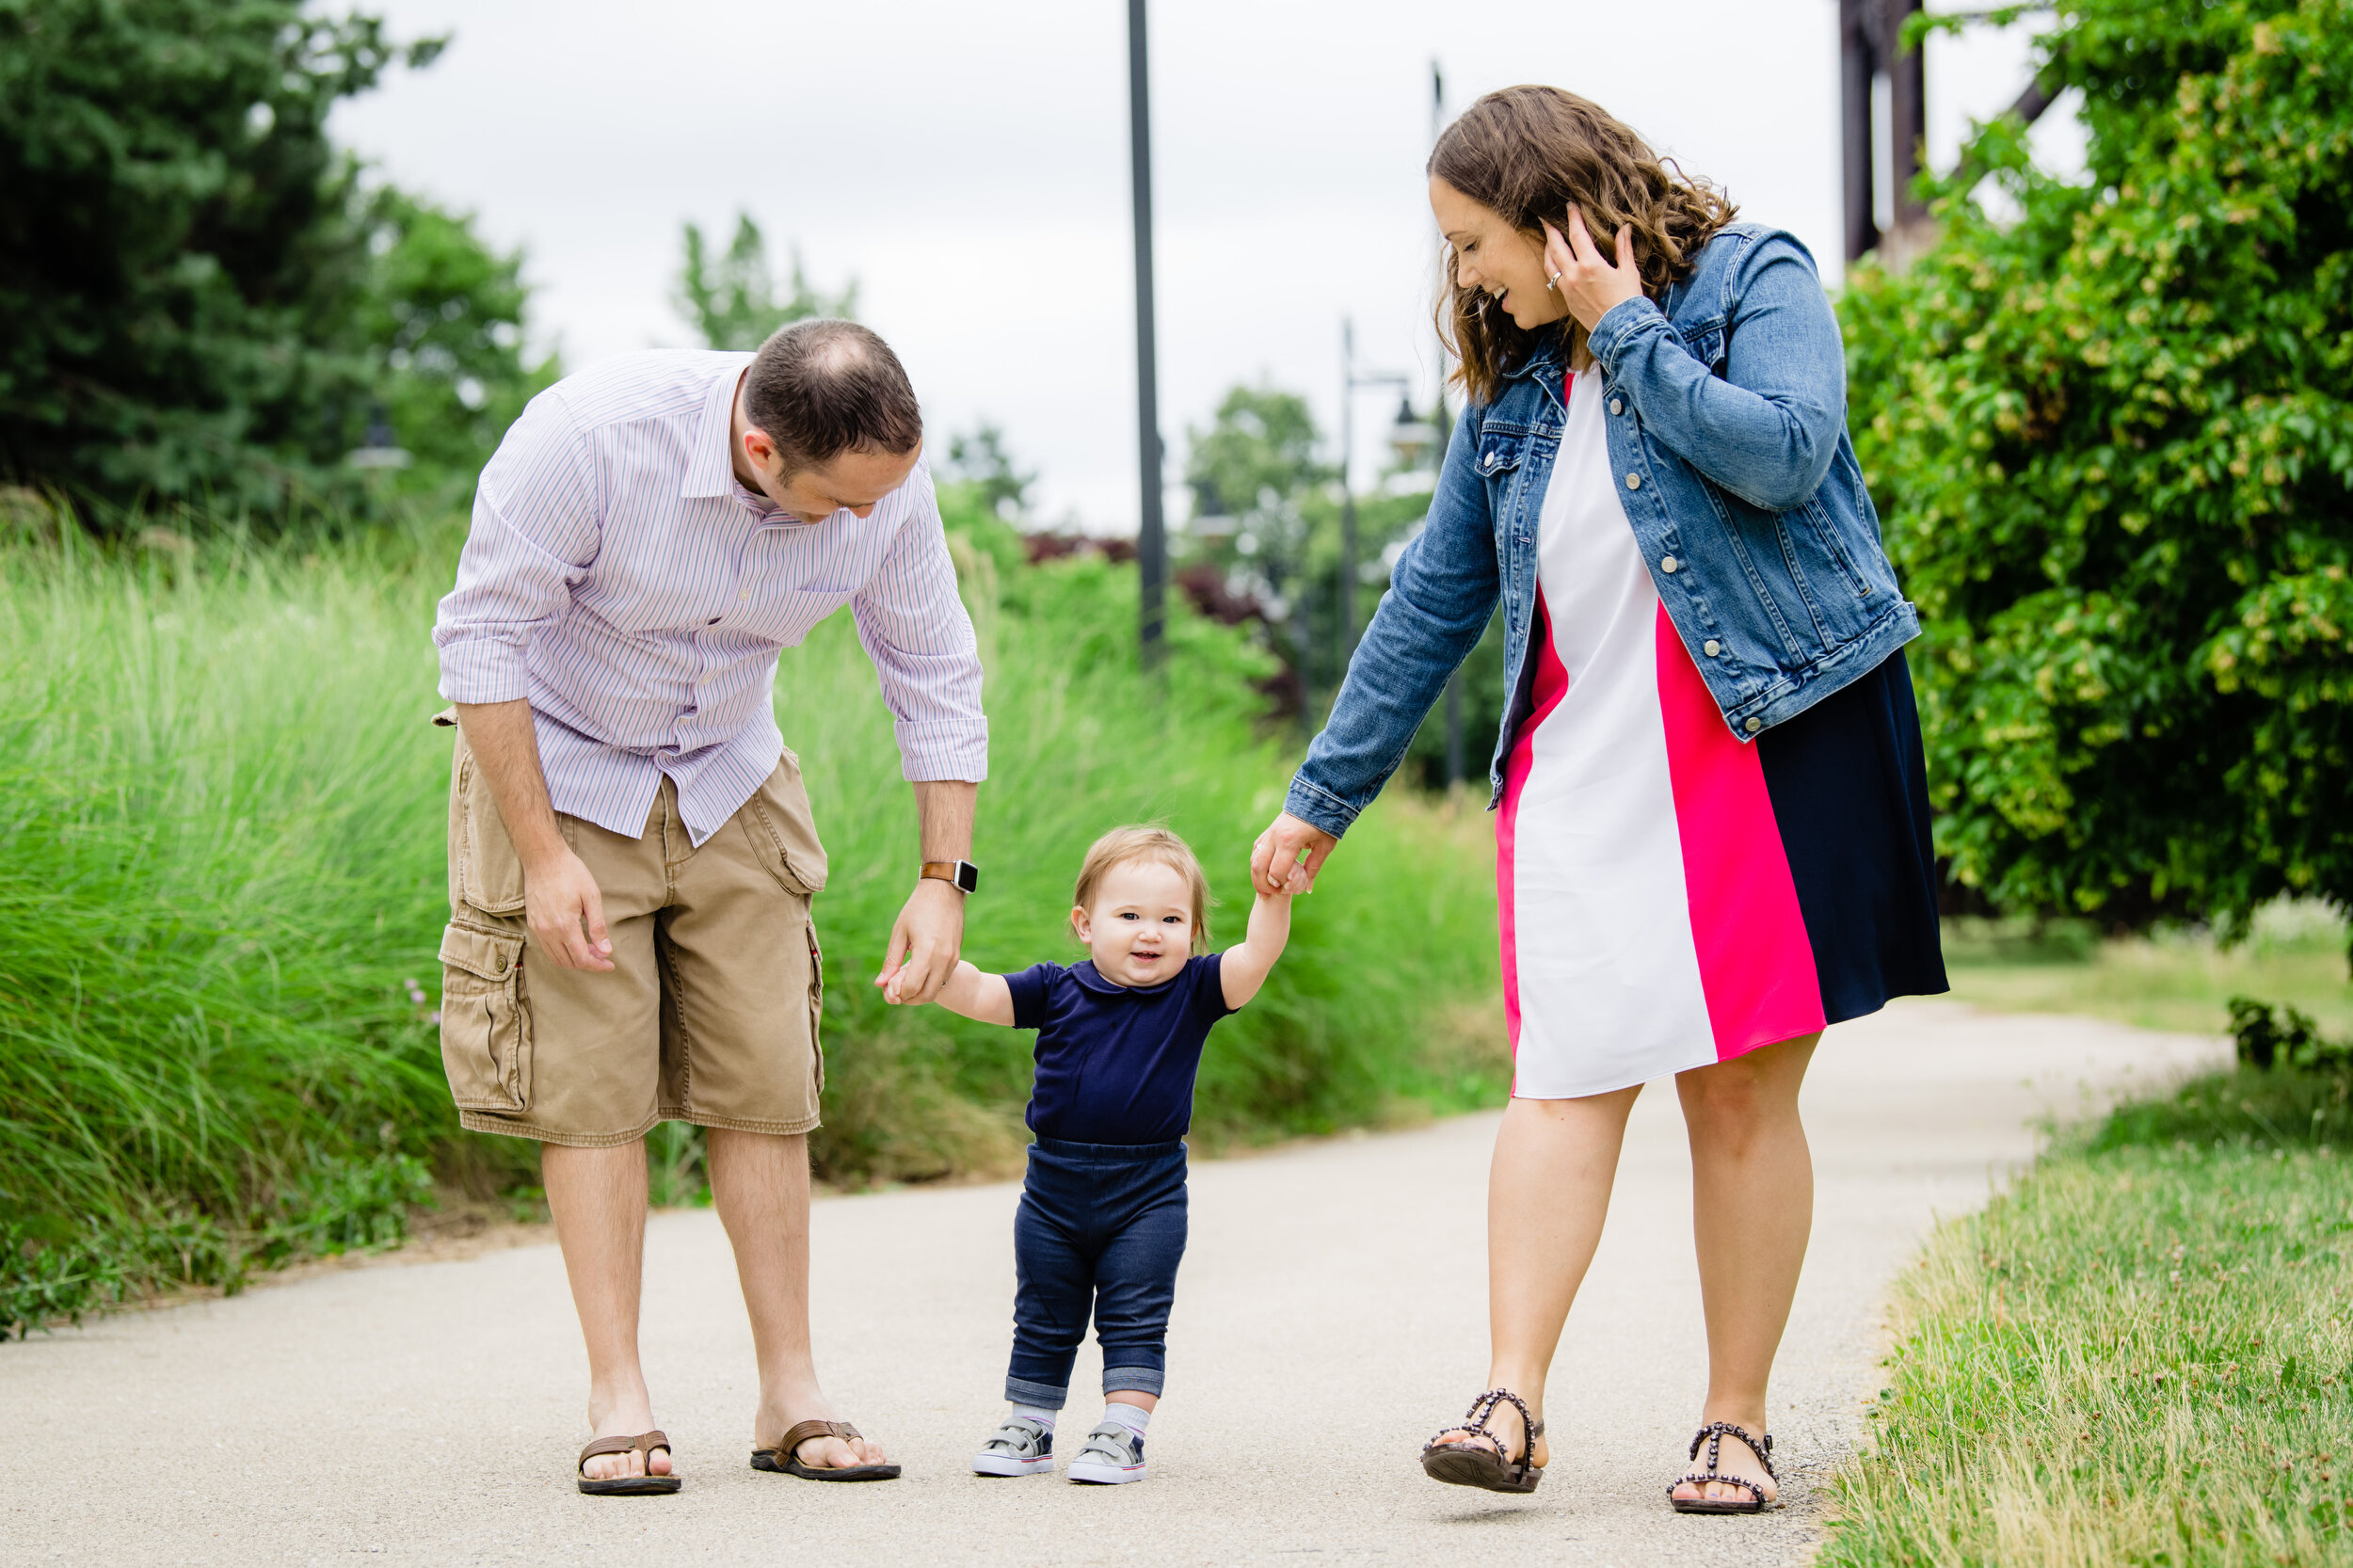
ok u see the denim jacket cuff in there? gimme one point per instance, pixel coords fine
(1617, 324)
(1318, 807)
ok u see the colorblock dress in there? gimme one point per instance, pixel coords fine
(1670, 896)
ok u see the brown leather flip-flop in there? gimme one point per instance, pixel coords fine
(647, 1485)
(784, 1459)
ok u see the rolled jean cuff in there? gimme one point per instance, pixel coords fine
(1133, 1379)
(1042, 1396)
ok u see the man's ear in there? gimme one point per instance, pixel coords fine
(758, 448)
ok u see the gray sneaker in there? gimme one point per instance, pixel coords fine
(1111, 1455)
(1019, 1448)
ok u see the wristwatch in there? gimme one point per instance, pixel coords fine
(962, 873)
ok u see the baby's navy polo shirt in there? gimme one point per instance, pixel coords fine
(1115, 1063)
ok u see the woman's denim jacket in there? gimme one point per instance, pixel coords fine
(1727, 430)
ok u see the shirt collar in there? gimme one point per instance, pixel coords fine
(711, 469)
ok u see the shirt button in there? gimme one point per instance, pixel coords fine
(1669, 565)
(744, 595)
(1755, 725)
(1617, 406)
(1633, 481)
(1711, 648)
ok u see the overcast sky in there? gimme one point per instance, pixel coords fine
(967, 164)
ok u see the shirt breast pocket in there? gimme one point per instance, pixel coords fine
(789, 617)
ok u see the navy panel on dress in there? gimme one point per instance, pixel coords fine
(1849, 780)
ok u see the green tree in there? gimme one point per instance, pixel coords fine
(730, 298)
(442, 317)
(2114, 440)
(1254, 478)
(177, 255)
(978, 457)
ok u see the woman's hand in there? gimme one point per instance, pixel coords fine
(1275, 867)
(1587, 285)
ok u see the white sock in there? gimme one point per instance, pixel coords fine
(1031, 1413)
(1133, 1416)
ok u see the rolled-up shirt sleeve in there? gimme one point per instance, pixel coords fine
(915, 628)
(533, 536)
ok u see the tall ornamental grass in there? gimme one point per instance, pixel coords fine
(221, 890)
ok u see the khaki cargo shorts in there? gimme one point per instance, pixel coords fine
(709, 1011)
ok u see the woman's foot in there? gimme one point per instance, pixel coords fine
(1734, 1458)
(1485, 1450)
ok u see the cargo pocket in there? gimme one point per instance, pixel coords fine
(485, 870)
(784, 832)
(485, 1022)
(816, 1014)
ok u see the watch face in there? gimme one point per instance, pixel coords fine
(967, 876)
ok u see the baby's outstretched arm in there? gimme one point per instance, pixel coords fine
(969, 991)
(1245, 969)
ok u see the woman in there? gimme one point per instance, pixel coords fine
(1713, 830)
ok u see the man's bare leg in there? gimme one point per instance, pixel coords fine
(760, 1183)
(597, 1199)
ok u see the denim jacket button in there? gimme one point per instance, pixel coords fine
(1617, 405)
(1755, 725)
(1633, 481)
(1711, 648)
(1670, 565)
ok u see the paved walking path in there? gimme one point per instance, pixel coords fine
(1330, 1314)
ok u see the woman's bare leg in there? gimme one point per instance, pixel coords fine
(1547, 1192)
(1752, 1211)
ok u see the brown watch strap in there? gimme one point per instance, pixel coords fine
(946, 871)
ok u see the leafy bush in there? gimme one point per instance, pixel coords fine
(2115, 445)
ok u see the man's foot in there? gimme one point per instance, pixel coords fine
(622, 1419)
(818, 1453)
(1736, 1460)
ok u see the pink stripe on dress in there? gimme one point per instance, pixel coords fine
(1552, 684)
(1756, 963)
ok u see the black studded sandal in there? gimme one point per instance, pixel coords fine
(1713, 1434)
(1464, 1463)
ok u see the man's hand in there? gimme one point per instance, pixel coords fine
(926, 943)
(1275, 867)
(562, 905)
(565, 910)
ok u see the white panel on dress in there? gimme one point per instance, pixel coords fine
(1609, 976)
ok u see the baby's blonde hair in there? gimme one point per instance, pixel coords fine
(1124, 846)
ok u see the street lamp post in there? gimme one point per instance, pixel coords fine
(1151, 537)
(1408, 435)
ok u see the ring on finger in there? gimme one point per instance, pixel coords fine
(1553, 281)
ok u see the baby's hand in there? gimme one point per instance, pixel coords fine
(889, 984)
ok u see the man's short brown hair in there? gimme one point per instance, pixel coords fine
(822, 387)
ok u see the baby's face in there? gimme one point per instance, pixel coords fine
(1140, 928)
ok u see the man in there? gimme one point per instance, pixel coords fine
(632, 854)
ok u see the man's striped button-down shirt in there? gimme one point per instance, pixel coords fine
(619, 577)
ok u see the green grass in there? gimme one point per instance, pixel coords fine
(2171, 980)
(221, 840)
(2142, 1354)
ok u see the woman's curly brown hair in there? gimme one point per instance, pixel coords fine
(1531, 153)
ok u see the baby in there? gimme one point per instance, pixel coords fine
(1101, 1224)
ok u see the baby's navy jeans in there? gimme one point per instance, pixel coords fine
(1100, 1230)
